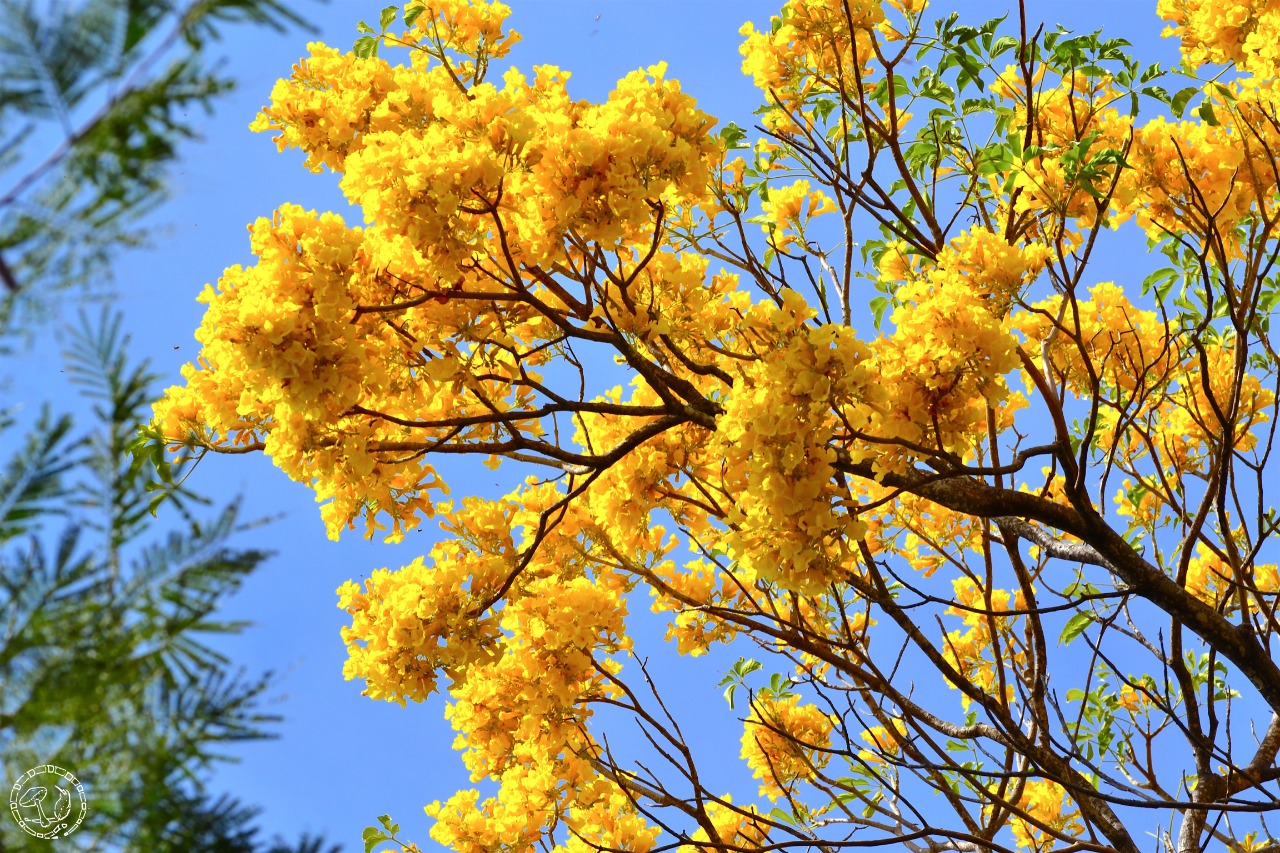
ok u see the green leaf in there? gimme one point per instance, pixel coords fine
(366, 47)
(388, 16)
(1207, 115)
(732, 137)
(31, 483)
(782, 816)
(746, 666)
(1002, 44)
(1158, 92)
(1157, 277)
(372, 837)
(1180, 100)
(385, 819)
(1079, 588)
(879, 307)
(780, 686)
(1075, 626)
(362, 27)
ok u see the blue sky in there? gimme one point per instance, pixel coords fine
(342, 759)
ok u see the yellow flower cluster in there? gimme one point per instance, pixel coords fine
(897, 264)
(997, 270)
(735, 828)
(624, 497)
(610, 822)
(1212, 580)
(1048, 803)
(810, 46)
(1179, 395)
(784, 741)
(521, 720)
(471, 28)
(334, 100)
(1246, 32)
(289, 356)
(1192, 416)
(1132, 700)
(552, 166)
(1104, 336)
(283, 365)
(694, 630)
(1065, 116)
(523, 712)
(786, 213)
(408, 625)
(973, 651)
(1143, 506)
(774, 438)
(946, 359)
(1202, 178)
(465, 824)
(932, 533)
(522, 674)
(883, 741)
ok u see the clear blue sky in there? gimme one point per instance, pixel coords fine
(343, 759)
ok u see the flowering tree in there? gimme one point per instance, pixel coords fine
(998, 529)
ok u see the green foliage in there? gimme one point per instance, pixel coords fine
(94, 98)
(31, 482)
(737, 677)
(105, 662)
(1075, 626)
(374, 836)
(367, 45)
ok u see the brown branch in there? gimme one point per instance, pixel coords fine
(973, 497)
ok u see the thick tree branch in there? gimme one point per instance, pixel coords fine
(972, 496)
(1076, 552)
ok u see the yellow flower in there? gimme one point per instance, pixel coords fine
(1049, 804)
(787, 214)
(735, 827)
(883, 742)
(1219, 31)
(784, 741)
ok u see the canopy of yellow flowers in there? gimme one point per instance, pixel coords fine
(518, 243)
